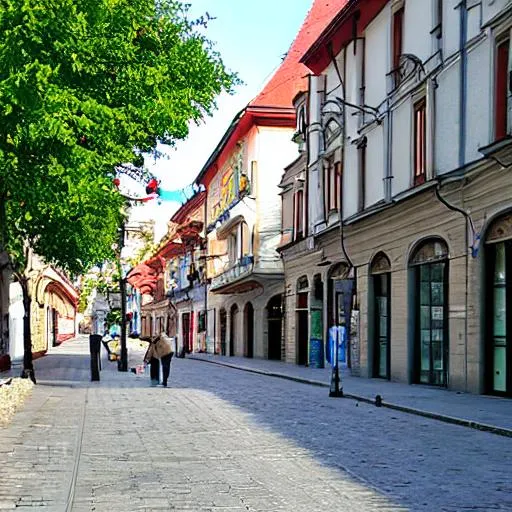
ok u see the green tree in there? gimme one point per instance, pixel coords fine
(84, 87)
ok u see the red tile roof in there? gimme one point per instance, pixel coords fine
(289, 78)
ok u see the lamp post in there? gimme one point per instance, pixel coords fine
(123, 362)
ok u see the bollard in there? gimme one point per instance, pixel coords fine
(94, 348)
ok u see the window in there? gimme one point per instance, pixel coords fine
(437, 31)
(298, 208)
(232, 248)
(362, 173)
(420, 141)
(501, 89)
(332, 186)
(246, 240)
(398, 28)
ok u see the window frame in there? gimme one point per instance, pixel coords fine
(298, 214)
(397, 41)
(419, 166)
(332, 187)
(501, 114)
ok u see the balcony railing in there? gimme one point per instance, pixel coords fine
(243, 266)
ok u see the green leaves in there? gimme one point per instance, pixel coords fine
(85, 86)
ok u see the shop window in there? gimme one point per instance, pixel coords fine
(429, 264)
(498, 340)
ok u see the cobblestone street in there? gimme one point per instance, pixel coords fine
(222, 439)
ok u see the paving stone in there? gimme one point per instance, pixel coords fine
(224, 440)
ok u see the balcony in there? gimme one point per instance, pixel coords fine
(244, 277)
(241, 268)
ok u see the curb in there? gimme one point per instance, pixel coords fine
(475, 425)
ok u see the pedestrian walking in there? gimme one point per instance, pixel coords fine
(160, 348)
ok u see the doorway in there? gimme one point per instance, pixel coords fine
(223, 328)
(381, 281)
(232, 329)
(302, 322)
(185, 329)
(430, 268)
(275, 324)
(498, 339)
(249, 326)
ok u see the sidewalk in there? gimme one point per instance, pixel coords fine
(491, 414)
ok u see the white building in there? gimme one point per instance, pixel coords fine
(406, 133)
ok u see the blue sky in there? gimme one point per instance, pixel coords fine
(252, 37)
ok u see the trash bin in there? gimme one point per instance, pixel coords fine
(94, 348)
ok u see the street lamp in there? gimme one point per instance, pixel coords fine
(122, 365)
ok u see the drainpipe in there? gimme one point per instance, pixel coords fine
(205, 275)
(388, 162)
(468, 225)
(463, 81)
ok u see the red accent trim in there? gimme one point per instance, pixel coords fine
(501, 90)
(340, 32)
(251, 116)
(192, 204)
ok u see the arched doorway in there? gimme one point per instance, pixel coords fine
(275, 325)
(302, 323)
(233, 329)
(223, 329)
(429, 267)
(380, 272)
(249, 330)
(498, 339)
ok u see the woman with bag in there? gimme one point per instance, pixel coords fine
(160, 348)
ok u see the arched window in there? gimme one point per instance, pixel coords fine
(428, 251)
(380, 264)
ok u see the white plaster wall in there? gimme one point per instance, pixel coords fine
(374, 185)
(446, 144)
(417, 26)
(473, 16)
(275, 151)
(315, 205)
(451, 28)
(401, 147)
(377, 62)
(478, 100)
(490, 8)
(353, 83)
(332, 81)
(16, 313)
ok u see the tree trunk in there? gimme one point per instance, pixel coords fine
(28, 366)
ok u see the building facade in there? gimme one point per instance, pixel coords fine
(245, 272)
(405, 201)
(186, 276)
